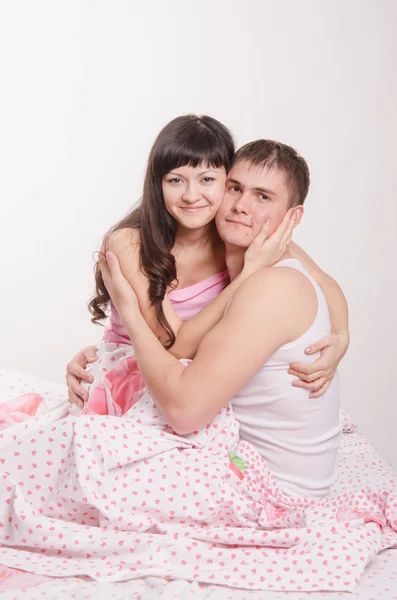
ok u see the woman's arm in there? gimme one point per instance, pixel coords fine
(191, 332)
(261, 253)
(125, 243)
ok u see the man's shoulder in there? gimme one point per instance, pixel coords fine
(275, 281)
(281, 301)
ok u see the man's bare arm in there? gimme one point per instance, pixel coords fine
(269, 309)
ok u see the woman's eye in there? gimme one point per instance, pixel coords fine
(174, 180)
(208, 179)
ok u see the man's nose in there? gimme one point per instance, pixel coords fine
(191, 193)
(242, 204)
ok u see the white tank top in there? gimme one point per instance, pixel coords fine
(297, 436)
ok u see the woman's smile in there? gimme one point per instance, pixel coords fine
(193, 208)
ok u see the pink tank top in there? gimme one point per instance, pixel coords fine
(187, 302)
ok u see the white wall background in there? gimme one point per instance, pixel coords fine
(86, 86)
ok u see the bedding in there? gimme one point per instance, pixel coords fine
(179, 557)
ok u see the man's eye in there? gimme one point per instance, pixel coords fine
(264, 197)
(235, 188)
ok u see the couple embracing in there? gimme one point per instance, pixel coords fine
(205, 270)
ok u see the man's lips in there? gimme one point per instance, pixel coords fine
(237, 222)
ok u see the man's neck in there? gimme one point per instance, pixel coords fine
(234, 260)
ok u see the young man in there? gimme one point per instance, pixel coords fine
(275, 314)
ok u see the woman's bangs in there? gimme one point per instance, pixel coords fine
(192, 153)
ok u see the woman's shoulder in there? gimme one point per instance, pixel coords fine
(126, 239)
(125, 243)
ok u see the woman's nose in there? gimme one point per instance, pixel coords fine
(191, 194)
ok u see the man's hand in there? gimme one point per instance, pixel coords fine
(264, 251)
(75, 373)
(317, 376)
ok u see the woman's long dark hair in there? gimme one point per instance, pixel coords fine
(188, 140)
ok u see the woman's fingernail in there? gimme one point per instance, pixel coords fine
(308, 349)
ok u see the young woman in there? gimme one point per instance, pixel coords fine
(171, 253)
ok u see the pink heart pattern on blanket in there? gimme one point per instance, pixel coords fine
(120, 498)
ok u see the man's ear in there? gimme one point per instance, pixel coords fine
(297, 214)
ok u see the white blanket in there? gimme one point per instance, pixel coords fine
(123, 498)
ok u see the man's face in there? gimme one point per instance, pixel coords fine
(253, 196)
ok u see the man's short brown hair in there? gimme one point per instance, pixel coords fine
(275, 155)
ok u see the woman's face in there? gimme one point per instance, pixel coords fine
(192, 195)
